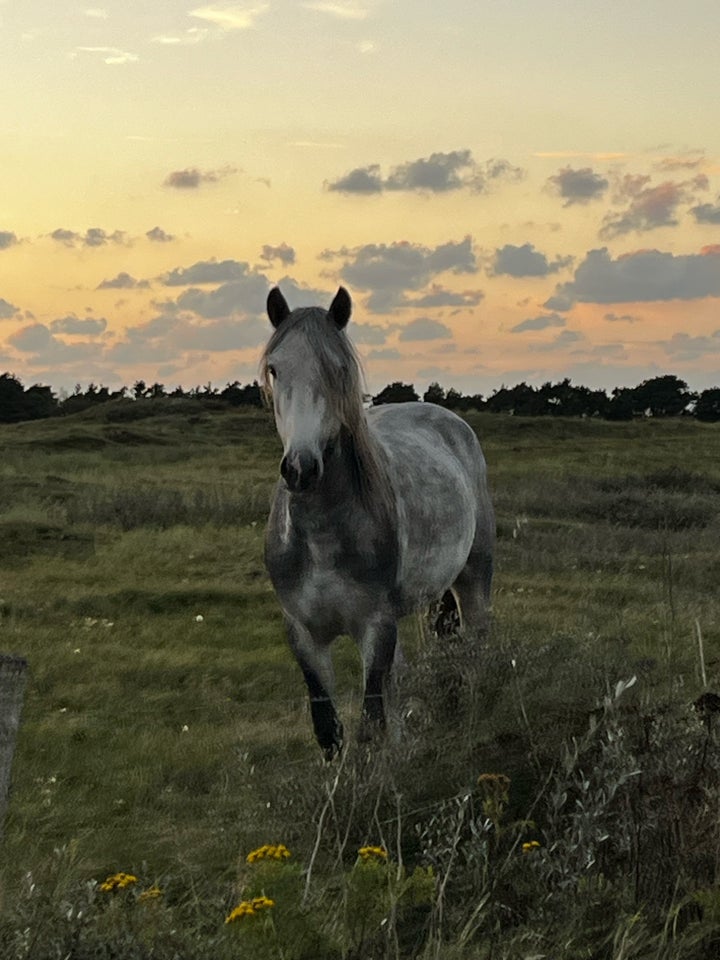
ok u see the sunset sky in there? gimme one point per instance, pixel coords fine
(510, 190)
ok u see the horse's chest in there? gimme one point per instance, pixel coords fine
(326, 581)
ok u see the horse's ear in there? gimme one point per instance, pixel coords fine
(340, 308)
(277, 307)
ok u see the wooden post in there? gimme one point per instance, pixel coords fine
(13, 671)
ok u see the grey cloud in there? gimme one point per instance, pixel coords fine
(643, 276)
(423, 328)
(301, 296)
(123, 281)
(559, 302)
(385, 353)
(158, 235)
(578, 186)
(438, 296)
(622, 318)
(539, 323)
(7, 239)
(525, 261)
(370, 333)
(90, 326)
(191, 178)
(238, 296)
(707, 212)
(683, 346)
(438, 173)
(38, 341)
(564, 339)
(93, 237)
(207, 271)
(164, 337)
(649, 207)
(389, 270)
(7, 310)
(284, 253)
(363, 180)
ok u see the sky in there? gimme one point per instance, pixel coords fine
(511, 190)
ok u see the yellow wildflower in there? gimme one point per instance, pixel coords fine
(372, 853)
(270, 851)
(249, 908)
(118, 881)
(152, 893)
(531, 846)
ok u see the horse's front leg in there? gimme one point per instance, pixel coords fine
(378, 645)
(315, 661)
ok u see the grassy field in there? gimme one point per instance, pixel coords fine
(166, 731)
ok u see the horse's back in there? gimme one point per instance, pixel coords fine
(438, 473)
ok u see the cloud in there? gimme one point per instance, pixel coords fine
(389, 270)
(243, 296)
(707, 212)
(188, 38)
(158, 235)
(578, 186)
(622, 318)
(649, 207)
(438, 173)
(683, 346)
(231, 16)
(644, 276)
(559, 302)
(564, 339)
(423, 328)
(38, 341)
(439, 296)
(91, 326)
(7, 239)
(96, 13)
(539, 323)
(692, 160)
(7, 310)
(93, 237)
(284, 253)
(207, 271)
(123, 281)
(164, 337)
(370, 333)
(525, 261)
(113, 56)
(342, 9)
(385, 353)
(191, 178)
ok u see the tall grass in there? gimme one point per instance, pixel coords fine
(555, 794)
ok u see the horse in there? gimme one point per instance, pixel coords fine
(376, 513)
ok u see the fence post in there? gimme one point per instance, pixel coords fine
(13, 671)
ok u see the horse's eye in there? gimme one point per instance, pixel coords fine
(271, 371)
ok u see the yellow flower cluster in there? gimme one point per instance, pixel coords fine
(249, 908)
(372, 853)
(270, 851)
(531, 847)
(152, 893)
(118, 881)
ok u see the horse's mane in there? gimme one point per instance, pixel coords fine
(342, 378)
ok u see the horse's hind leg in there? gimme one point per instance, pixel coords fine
(472, 590)
(315, 661)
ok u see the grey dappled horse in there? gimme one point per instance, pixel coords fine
(377, 513)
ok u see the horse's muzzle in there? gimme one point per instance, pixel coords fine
(301, 471)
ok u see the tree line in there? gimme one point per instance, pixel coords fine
(664, 396)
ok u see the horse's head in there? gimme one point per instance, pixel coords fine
(310, 368)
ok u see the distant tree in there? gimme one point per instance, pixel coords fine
(521, 400)
(396, 392)
(138, 389)
(18, 404)
(666, 396)
(237, 396)
(178, 392)
(82, 400)
(564, 399)
(707, 407)
(435, 394)
(622, 404)
(156, 391)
